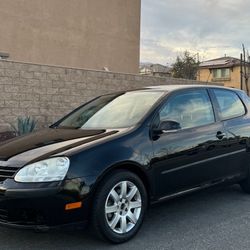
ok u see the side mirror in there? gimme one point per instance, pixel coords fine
(167, 126)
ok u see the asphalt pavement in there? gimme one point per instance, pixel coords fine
(217, 218)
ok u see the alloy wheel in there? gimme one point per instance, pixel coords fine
(123, 207)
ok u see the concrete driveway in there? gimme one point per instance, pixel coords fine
(217, 218)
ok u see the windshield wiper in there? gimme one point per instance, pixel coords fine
(65, 127)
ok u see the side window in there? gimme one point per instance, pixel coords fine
(190, 109)
(230, 104)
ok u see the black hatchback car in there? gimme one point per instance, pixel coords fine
(108, 159)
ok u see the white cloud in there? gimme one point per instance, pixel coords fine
(211, 28)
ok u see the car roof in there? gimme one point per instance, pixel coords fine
(172, 87)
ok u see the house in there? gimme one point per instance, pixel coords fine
(226, 70)
(90, 34)
(155, 70)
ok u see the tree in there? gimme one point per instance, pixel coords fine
(186, 66)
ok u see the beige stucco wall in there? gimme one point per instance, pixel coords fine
(234, 81)
(235, 77)
(75, 33)
(205, 75)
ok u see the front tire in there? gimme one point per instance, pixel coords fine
(119, 206)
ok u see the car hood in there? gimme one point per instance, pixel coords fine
(47, 142)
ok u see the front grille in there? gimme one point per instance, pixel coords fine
(7, 172)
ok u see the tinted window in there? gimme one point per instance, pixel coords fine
(230, 104)
(190, 109)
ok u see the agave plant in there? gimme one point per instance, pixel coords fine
(24, 125)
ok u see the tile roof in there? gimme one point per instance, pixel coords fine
(222, 62)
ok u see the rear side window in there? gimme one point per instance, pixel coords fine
(230, 105)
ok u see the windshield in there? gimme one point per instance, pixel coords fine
(113, 111)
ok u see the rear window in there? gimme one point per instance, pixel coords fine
(230, 105)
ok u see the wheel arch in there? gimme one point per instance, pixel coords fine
(132, 167)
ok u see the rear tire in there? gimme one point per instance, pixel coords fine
(119, 206)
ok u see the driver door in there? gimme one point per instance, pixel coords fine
(188, 157)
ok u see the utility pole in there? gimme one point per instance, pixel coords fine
(198, 57)
(198, 63)
(241, 71)
(245, 69)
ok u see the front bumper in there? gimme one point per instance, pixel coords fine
(42, 206)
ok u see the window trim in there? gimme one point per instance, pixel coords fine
(221, 78)
(217, 106)
(177, 92)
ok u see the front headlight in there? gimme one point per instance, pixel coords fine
(53, 169)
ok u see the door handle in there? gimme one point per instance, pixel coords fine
(220, 135)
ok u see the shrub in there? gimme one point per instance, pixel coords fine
(24, 125)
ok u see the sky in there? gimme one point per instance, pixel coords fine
(206, 28)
